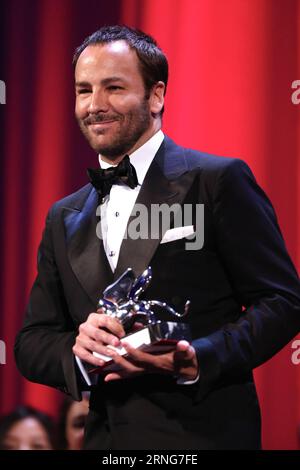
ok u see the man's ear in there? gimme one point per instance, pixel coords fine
(156, 99)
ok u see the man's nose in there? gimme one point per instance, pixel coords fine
(98, 102)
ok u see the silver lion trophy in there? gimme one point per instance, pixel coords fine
(121, 300)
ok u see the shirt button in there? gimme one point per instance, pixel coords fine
(117, 214)
(112, 253)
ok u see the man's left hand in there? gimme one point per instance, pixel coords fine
(182, 362)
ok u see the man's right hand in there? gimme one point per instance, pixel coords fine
(95, 335)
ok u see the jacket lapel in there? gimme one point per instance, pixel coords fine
(84, 248)
(167, 182)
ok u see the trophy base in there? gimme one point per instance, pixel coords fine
(156, 338)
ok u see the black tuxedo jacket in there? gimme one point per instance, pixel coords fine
(245, 306)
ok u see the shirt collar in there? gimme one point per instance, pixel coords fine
(142, 158)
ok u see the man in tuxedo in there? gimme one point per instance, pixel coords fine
(243, 287)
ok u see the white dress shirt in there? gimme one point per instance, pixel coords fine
(115, 212)
(118, 204)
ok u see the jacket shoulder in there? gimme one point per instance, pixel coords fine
(210, 162)
(75, 200)
(205, 162)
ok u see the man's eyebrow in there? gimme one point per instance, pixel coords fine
(82, 84)
(108, 80)
(104, 82)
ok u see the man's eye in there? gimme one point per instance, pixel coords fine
(115, 87)
(83, 90)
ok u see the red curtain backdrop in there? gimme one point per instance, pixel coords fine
(232, 65)
(45, 158)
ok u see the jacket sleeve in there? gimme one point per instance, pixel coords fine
(43, 347)
(265, 282)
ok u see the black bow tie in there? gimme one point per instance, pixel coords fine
(102, 180)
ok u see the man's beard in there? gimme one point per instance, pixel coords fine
(138, 122)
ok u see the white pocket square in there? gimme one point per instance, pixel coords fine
(177, 233)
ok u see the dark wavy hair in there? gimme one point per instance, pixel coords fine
(62, 442)
(23, 412)
(62, 423)
(152, 61)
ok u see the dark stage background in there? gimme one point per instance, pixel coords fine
(232, 64)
